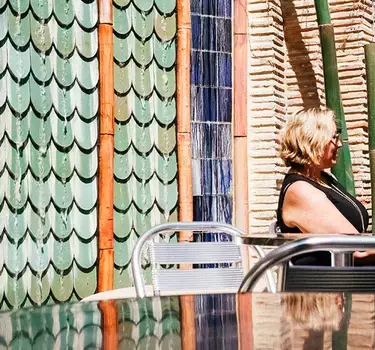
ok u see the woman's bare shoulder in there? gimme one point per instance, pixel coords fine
(302, 192)
(309, 209)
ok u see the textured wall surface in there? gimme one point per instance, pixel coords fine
(266, 108)
(49, 135)
(48, 145)
(145, 163)
(286, 75)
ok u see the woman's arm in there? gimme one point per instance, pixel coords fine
(311, 211)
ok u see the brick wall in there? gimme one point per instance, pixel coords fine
(286, 74)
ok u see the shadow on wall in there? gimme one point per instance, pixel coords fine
(299, 56)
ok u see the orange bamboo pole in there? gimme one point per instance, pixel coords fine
(185, 177)
(106, 155)
(187, 307)
(241, 207)
(106, 147)
(240, 170)
(105, 12)
(245, 321)
(110, 335)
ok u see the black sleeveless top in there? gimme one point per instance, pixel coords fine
(350, 207)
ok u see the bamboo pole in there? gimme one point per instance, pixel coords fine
(106, 147)
(109, 325)
(370, 74)
(241, 207)
(343, 168)
(240, 169)
(340, 336)
(185, 177)
(106, 155)
(244, 315)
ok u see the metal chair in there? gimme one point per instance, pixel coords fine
(193, 281)
(341, 277)
(197, 280)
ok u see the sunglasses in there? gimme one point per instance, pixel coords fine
(336, 138)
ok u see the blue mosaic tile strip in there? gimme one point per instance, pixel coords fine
(220, 8)
(211, 102)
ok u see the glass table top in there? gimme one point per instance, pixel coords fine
(217, 321)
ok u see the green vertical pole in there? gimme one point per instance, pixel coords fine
(340, 337)
(343, 168)
(370, 73)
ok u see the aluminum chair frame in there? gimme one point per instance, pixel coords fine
(175, 253)
(335, 244)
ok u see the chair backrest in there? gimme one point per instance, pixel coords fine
(190, 280)
(198, 279)
(359, 279)
(317, 278)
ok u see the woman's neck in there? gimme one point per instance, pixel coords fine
(312, 173)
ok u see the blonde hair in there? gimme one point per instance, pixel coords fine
(317, 311)
(305, 137)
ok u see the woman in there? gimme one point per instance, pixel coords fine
(311, 200)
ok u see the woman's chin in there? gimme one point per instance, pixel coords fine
(333, 163)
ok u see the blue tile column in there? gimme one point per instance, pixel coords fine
(211, 101)
(211, 105)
